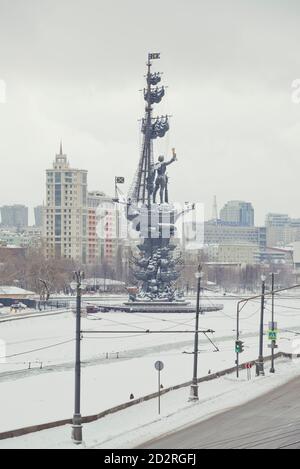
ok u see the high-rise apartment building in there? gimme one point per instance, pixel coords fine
(93, 247)
(237, 213)
(14, 216)
(65, 213)
(103, 228)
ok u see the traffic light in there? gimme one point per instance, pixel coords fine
(239, 346)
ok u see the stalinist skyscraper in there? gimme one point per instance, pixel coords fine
(65, 211)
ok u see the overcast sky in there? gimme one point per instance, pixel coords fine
(73, 70)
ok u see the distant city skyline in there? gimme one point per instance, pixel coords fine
(229, 66)
(33, 212)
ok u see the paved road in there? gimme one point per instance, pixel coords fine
(271, 421)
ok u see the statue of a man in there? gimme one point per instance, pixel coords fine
(161, 179)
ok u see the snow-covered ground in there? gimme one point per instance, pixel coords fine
(134, 426)
(37, 395)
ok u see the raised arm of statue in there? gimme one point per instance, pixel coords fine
(174, 157)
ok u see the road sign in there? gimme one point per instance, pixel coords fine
(248, 367)
(273, 326)
(159, 365)
(272, 335)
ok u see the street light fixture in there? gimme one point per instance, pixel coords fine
(194, 387)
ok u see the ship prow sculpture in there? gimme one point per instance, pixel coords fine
(157, 266)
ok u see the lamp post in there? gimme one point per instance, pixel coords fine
(239, 308)
(260, 361)
(194, 387)
(77, 420)
(273, 343)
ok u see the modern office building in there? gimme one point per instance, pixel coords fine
(14, 216)
(236, 212)
(66, 212)
(38, 216)
(246, 254)
(277, 219)
(231, 234)
(281, 229)
(232, 253)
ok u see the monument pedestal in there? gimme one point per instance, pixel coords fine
(160, 306)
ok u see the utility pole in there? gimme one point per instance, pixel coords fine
(237, 338)
(273, 343)
(260, 361)
(77, 420)
(194, 387)
(242, 303)
(118, 180)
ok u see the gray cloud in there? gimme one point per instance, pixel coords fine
(73, 69)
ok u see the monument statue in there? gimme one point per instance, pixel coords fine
(161, 179)
(156, 262)
(156, 267)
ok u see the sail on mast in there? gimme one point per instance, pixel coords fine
(142, 186)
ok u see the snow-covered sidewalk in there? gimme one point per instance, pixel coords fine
(140, 423)
(35, 396)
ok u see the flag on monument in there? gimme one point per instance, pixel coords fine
(119, 180)
(155, 55)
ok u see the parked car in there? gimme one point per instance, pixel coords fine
(90, 309)
(1, 305)
(18, 305)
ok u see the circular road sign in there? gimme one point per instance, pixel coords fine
(159, 365)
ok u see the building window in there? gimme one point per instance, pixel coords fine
(57, 225)
(57, 195)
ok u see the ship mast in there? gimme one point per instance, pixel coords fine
(148, 131)
(152, 128)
